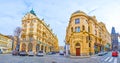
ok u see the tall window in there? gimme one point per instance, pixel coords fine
(77, 21)
(88, 28)
(77, 29)
(95, 32)
(71, 29)
(83, 27)
(99, 34)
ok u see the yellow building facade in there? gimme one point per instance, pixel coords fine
(5, 44)
(85, 35)
(36, 35)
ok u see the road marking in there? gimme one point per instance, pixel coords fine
(110, 59)
(115, 61)
(107, 58)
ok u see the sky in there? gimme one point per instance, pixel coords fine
(57, 13)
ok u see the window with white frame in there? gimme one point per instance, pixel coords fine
(77, 29)
(77, 21)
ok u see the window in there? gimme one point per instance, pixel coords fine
(77, 21)
(31, 38)
(71, 29)
(99, 34)
(83, 27)
(95, 32)
(77, 29)
(95, 39)
(88, 28)
(89, 44)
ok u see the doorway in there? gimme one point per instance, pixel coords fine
(77, 49)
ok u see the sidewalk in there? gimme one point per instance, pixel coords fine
(80, 57)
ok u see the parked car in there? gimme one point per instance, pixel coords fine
(40, 53)
(101, 53)
(61, 52)
(14, 52)
(1, 52)
(23, 53)
(114, 53)
(51, 53)
(30, 53)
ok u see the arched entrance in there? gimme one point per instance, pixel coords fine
(23, 47)
(37, 47)
(77, 45)
(30, 46)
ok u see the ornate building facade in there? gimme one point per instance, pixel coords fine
(85, 35)
(5, 44)
(36, 35)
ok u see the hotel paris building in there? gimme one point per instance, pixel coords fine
(85, 35)
(36, 35)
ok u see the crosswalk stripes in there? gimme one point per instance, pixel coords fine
(115, 61)
(110, 59)
(107, 58)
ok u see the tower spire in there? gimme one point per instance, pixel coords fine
(113, 30)
(32, 12)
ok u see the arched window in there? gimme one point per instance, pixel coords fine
(30, 46)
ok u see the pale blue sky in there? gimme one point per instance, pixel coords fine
(57, 13)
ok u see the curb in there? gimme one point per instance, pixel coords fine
(79, 57)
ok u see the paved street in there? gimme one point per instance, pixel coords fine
(8, 58)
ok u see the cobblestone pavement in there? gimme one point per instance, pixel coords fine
(8, 58)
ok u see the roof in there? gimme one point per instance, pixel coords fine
(79, 11)
(32, 12)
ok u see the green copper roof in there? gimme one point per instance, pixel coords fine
(32, 12)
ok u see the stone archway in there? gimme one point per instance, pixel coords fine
(23, 47)
(30, 46)
(77, 46)
(37, 47)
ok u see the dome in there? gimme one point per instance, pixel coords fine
(78, 13)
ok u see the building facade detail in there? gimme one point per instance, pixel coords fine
(36, 35)
(85, 35)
